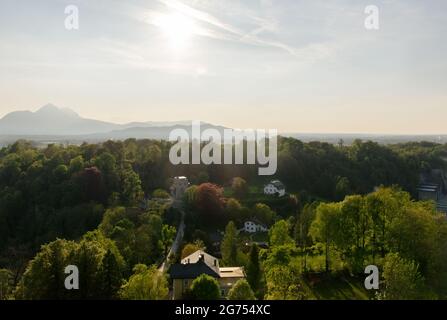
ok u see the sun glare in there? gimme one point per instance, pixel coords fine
(177, 28)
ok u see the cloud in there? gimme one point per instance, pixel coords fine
(215, 28)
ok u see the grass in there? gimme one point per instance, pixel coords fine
(338, 287)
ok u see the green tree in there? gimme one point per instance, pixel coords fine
(240, 187)
(401, 278)
(167, 237)
(325, 227)
(241, 291)
(190, 248)
(233, 209)
(160, 193)
(229, 245)
(279, 234)
(146, 283)
(5, 283)
(285, 283)
(44, 276)
(254, 268)
(111, 276)
(205, 287)
(131, 187)
(264, 213)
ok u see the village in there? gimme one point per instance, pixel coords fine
(200, 262)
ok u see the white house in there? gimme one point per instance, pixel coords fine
(253, 227)
(275, 187)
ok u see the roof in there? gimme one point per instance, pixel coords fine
(232, 272)
(428, 187)
(191, 270)
(256, 221)
(278, 184)
(200, 255)
(201, 262)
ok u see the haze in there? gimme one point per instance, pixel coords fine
(296, 66)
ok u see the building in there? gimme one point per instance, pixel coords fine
(198, 263)
(275, 187)
(253, 226)
(429, 192)
(178, 187)
(433, 186)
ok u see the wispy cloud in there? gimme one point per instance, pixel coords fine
(213, 27)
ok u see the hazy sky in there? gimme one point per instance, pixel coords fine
(293, 65)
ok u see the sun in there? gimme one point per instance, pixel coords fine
(177, 28)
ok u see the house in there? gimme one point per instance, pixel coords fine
(253, 226)
(178, 187)
(275, 187)
(198, 263)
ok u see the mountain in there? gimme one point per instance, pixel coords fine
(51, 120)
(53, 124)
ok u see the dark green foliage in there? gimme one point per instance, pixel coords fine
(205, 287)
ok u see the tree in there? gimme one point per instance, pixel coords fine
(240, 187)
(241, 291)
(401, 278)
(44, 276)
(263, 213)
(209, 201)
(342, 188)
(253, 268)
(111, 277)
(5, 283)
(279, 234)
(205, 287)
(131, 187)
(190, 248)
(284, 283)
(160, 193)
(146, 283)
(167, 237)
(229, 244)
(325, 227)
(233, 209)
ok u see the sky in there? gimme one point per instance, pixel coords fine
(291, 65)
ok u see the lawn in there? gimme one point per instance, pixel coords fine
(337, 287)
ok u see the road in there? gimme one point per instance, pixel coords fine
(178, 238)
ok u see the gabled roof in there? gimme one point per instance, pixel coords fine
(201, 255)
(191, 270)
(201, 262)
(256, 221)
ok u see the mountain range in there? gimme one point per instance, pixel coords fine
(51, 124)
(52, 120)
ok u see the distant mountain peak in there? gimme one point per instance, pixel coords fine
(50, 108)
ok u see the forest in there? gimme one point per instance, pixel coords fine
(101, 207)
